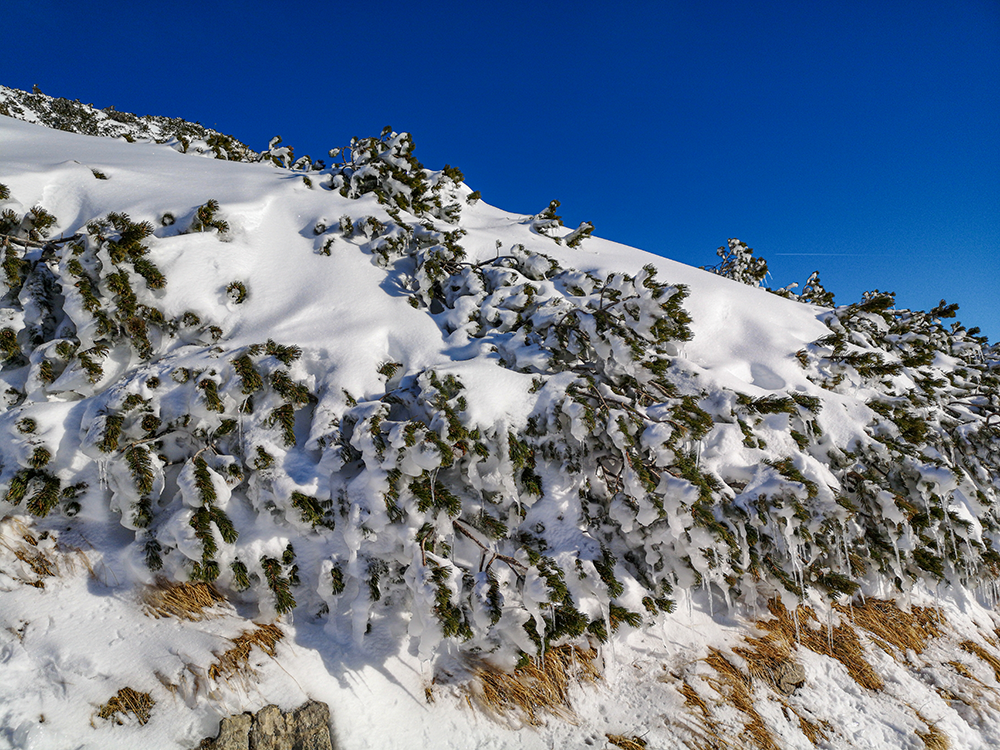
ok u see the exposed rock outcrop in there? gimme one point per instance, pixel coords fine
(305, 728)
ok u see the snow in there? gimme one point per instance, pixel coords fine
(67, 647)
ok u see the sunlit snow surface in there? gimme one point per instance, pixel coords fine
(67, 648)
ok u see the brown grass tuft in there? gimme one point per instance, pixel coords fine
(766, 658)
(737, 689)
(933, 738)
(185, 601)
(35, 560)
(961, 669)
(236, 661)
(16, 537)
(974, 648)
(128, 701)
(626, 743)
(535, 688)
(889, 625)
(814, 732)
(840, 643)
(693, 700)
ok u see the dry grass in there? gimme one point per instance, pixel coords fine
(765, 658)
(693, 700)
(890, 626)
(768, 657)
(814, 732)
(185, 601)
(626, 743)
(706, 736)
(974, 648)
(905, 636)
(737, 690)
(840, 642)
(236, 661)
(128, 701)
(39, 557)
(933, 738)
(536, 688)
(17, 538)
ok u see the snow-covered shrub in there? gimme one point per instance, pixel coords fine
(252, 468)
(739, 264)
(76, 117)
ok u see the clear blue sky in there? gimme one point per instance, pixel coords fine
(861, 138)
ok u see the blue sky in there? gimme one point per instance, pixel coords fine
(860, 139)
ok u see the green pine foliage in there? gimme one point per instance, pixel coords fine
(206, 218)
(75, 117)
(237, 292)
(278, 581)
(313, 510)
(739, 264)
(46, 494)
(283, 417)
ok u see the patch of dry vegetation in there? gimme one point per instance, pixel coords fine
(889, 626)
(185, 601)
(625, 742)
(839, 642)
(127, 701)
(974, 648)
(236, 661)
(537, 688)
(737, 690)
(933, 738)
(769, 659)
(37, 560)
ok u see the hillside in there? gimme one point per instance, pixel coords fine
(276, 430)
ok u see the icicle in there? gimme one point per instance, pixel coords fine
(795, 616)
(239, 433)
(102, 472)
(847, 551)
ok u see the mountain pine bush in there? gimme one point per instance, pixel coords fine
(586, 516)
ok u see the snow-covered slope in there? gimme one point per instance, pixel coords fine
(421, 434)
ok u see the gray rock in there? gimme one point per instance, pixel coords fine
(789, 676)
(305, 728)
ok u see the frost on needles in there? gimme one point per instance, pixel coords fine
(498, 536)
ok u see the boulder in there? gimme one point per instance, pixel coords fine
(305, 728)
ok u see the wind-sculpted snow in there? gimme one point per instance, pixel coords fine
(361, 395)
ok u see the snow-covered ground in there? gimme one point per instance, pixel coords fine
(74, 628)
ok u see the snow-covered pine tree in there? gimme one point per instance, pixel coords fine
(739, 264)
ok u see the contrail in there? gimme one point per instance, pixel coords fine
(837, 255)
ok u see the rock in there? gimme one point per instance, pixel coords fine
(789, 676)
(305, 728)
